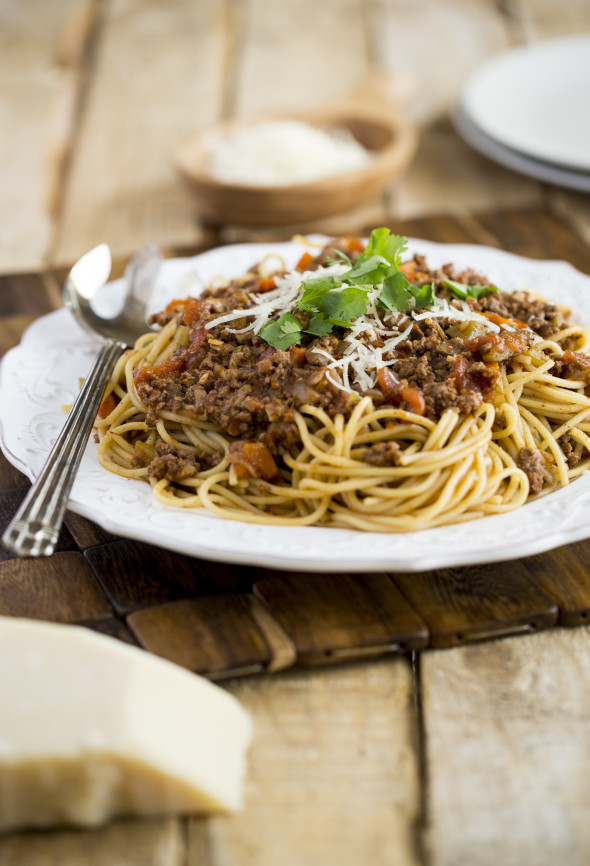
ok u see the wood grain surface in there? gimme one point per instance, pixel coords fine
(476, 754)
(525, 796)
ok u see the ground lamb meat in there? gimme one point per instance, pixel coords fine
(445, 373)
(171, 464)
(567, 446)
(546, 319)
(574, 365)
(533, 463)
(251, 391)
(383, 454)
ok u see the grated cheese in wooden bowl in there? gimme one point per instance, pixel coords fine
(284, 152)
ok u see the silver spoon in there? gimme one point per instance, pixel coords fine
(35, 528)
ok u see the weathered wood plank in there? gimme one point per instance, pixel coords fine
(158, 842)
(333, 775)
(508, 766)
(432, 47)
(60, 588)
(333, 618)
(158, 78)
(449, 177)
(85, 533)
(299, 54)
(466, 605)
(213, 635)
(536, 233)
(572, 208)
(12, 329)
(563, 574)
(11, 478)
(38, 88)
(135, 575)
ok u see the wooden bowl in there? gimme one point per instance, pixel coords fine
(389, 138)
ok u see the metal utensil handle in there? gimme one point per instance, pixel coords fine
(35, 528)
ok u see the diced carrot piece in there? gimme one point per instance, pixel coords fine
(389, 384)
(177, 302)
(304, 262)
(393, 393)
(195, 310)
(298, 355)
(164, 368)
(106, 407)
(355, 245)
(267, 284)
(415, 399)
(500, 320)
(252, 460)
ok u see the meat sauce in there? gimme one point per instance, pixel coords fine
(252, 390)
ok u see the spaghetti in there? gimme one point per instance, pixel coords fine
(355, 391)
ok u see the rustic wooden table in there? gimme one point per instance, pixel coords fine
(405, 752)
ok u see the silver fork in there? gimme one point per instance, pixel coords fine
(35, 528)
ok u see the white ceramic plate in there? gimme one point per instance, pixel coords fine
(535, 100)
(544, 171)
(41, 375)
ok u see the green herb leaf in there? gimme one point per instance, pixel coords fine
(319, 326)
(369, 271)
(341, 307)
(383, 243)
(314, 291)
(425, 296)
(283, 333)
(339, 255)
(396, 295)
(463, 290)
(399, 294)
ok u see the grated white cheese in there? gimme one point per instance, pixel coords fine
(444, 310)
(283, 152)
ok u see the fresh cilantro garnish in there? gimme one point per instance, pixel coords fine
(368, 271)
(341, 307)
(319, 326)
(395, 293)
(315, 290)
(283, 333)
(338, 305)
(463, 290)
(425, 296)
(383, 243)
(399, 294)
(339, 299)
(339, 255)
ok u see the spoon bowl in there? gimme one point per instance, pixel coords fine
(383, 130)
(90, 274)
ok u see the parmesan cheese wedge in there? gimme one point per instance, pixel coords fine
(91, 728)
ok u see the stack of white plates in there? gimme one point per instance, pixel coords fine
(529, 109)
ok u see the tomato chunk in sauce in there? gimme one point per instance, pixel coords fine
(252, 460)
(164, 368)
(396, 394)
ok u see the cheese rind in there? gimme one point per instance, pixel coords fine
(92, 728)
